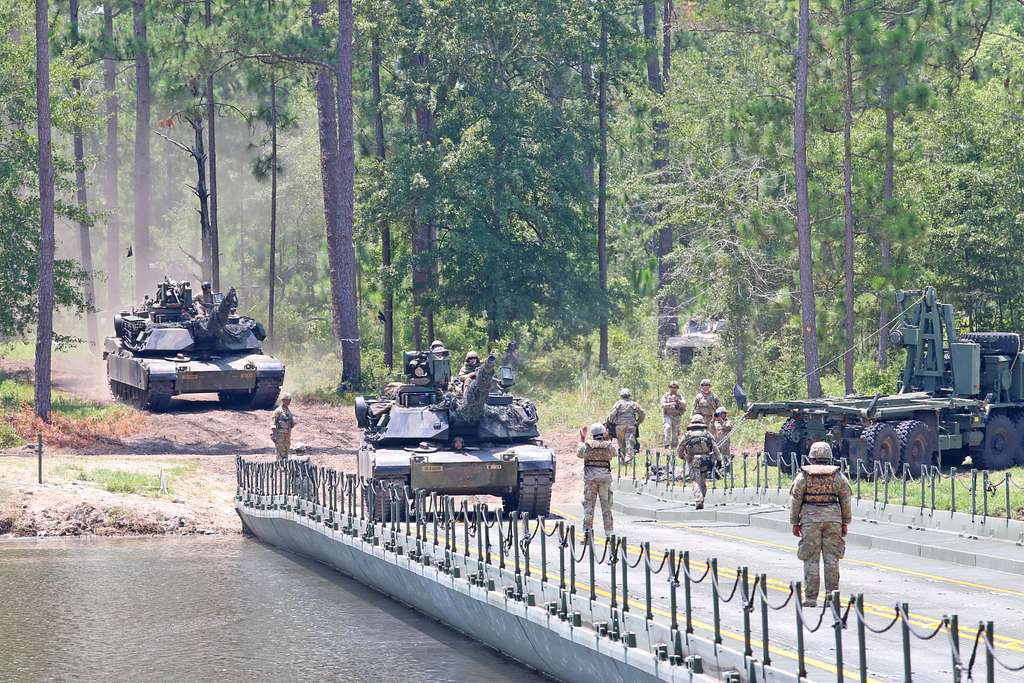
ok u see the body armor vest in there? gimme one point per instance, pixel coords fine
(820, 488)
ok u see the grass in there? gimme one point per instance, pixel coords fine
(138, 480)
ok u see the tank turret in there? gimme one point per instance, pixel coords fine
(174, 345)
(468, 436)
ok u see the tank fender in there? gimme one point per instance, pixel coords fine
(160, 370)
(267, 367)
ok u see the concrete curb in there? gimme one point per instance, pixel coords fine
(767, 508)
(526, 633)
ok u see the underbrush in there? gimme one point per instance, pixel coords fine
(143, 481)
(74, 422)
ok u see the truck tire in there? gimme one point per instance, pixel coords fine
(999, 343)
(532, 495)
(1001, 447)
(917, 444)
(1019, 424)
(882, 444)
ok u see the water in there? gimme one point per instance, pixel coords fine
(225, 609)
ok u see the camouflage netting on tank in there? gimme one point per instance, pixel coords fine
(519, 416)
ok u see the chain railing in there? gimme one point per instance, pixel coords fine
(481, 545)
(979, 493)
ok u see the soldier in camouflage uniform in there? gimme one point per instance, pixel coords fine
(597, 453)
(819, 510)
(721, 429)
(283, 422)
(706, 402)
(626, 415)
(672, 408)
(699, 451)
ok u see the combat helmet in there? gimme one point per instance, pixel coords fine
(624, 393)
(696, 422)
(820, 452)
(597, 429)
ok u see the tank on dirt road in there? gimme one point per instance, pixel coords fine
(177, 345)
(458, 438)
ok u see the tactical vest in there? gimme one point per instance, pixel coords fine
(820, 488)
(598, 446)
(699, 446)
(627, 413)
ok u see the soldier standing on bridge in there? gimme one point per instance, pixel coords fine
(819, 510)
(721, 429)
(706, 402)
(626, 415)
(283, 421)
(672, 408)
(597, 453)
(700, 452)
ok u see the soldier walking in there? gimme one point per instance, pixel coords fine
(706, 402)
(626, 416)
(721, 429)
(672, 408)
(597, 453)
(819, 510)
(700, 452)
(282, 423)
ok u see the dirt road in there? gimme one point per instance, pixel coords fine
(197, 433)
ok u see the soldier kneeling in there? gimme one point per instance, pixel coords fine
(819, 510)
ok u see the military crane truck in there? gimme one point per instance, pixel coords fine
(468, 437)
(959, 395)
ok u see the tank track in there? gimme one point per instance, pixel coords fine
(156, 398)
(534, 497)
(265, 394)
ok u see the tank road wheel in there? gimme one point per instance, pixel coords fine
(917, 443)
(264, 396)
(882, 444)
(232, 398)
(532, 495)
(157, 397)
(1001, 447)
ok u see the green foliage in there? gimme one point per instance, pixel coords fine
(8, 437)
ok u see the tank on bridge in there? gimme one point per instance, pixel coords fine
(177, 344)
(456, 438)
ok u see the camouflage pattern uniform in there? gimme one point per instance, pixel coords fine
(672, 408)
(283, 422)
(597, 481)
(819, 504)
(700, 452)
(626, 415)
(721, 428)
(705, 405)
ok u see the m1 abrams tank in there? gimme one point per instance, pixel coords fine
(178, 345)
(469, 440)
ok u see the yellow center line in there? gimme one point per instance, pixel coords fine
(726, 633)
(1014, 644)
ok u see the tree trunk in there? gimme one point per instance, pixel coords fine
(346, 303)
(44, 327)
(666, 40)
(423, 230)
(803, 219)
(141, 176)
(602, 189)
(211, 134)
(587, 73)
(111, 167)
(84, 238)
(848, 207)
(327, 124)
(272, 277)
(667, 324)
(199, 156)
(884, 245)
(385, 229)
